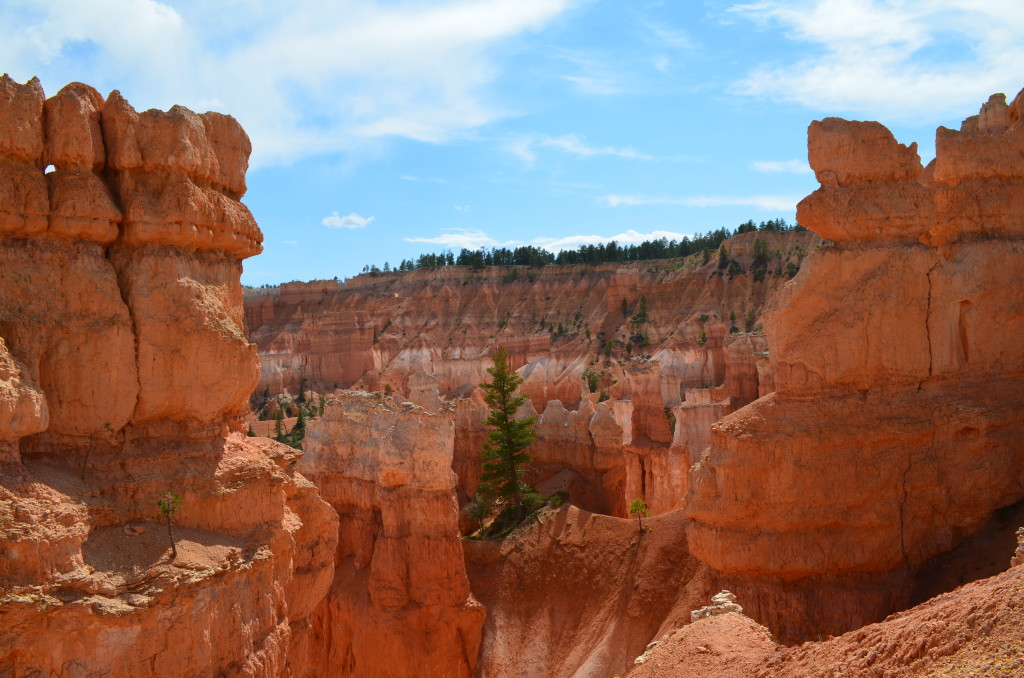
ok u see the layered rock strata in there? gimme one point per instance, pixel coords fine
(400, 604)
(124, 373)
(369, 331)
(894, 428)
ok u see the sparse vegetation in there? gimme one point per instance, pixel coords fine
(638, 508)
(530, 256)
(169, 504)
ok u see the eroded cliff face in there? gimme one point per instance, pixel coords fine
(687, 363)
(370, 331)
(400, 604)
(124, 373)
(894, 429)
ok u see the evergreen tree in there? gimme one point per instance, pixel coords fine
(278, 425)
(501, 483)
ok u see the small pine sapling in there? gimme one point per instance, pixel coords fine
(639, 509)
(169, 504)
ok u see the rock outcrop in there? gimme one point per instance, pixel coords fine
(976, 630)
(124, 374)
(894, 428)
(580, 594)
(400, 604)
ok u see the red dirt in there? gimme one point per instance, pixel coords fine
(974, 631)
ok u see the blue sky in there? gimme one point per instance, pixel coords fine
(382, 130)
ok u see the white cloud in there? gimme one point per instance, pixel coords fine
(461, 208)
(906, 59)
(593, 75)
(291, 242)
(524, 147)
(471, 239)
(763, 202)
(303, 78)
(664, 35)
(661, 63)
(351, 221)
(590, 84)
(572, 143)
(775, 166)
(430, 180)
(630, 237)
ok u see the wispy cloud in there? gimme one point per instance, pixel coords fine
(668, 36)
(913, 59)
(763, 202)
(351, 221)
(593, 75)
(291, 242)
(429, 180)
(303, 78)
(629, 237)
(590, 84)
(471, 239)
(572, 143)
(781, 166)
(525, 147)
(461, 208)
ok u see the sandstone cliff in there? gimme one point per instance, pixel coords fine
(434, 331)
(124, 373)
(374, 330)
(400, 604)
(894, 428)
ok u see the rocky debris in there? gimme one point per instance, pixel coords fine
(976, 630)
(124, 373)
(729, 645)
(400, 604)
(1018, 556)
(721, 603)
(892, 432)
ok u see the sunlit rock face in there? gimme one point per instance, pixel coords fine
(400, 603)
(124, 374)
(894, 428)
(660, 343)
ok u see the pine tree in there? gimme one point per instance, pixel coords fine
(501, 483)
(278, 425)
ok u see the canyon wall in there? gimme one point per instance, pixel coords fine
(665, 371)
(400, 604)
(374, 330)
(894, 429)
(124, 374)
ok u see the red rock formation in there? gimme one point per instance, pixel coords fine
(400, 604)
(894, 428)
(124, 373)
(976, 630)
(447, 321)
(578, 594)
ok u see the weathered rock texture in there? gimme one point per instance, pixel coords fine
(375, 330)
(400, 604)
(894, 429)
(975, 631)
(124, 373)
(430, 333)
(580, 594)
